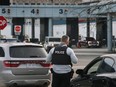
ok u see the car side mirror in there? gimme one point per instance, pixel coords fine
(79, 71)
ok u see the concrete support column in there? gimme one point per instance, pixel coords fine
(88, 27)
(72, 30)
(101, 31)
(43, 28)
(109, 32)
(33, 28)
(50, 30)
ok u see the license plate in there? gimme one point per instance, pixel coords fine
(32, 65)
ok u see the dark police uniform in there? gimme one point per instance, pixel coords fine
(61, 57)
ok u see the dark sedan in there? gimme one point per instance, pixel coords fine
(89, 42)
(101, 72)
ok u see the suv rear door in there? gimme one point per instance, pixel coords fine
(27, 60)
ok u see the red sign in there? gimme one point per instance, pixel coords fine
(3, 22)
(17, 28)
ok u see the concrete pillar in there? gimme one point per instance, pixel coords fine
(50, 29)
(101, 31)
(109, 32)
(33, 28)
(72, 30)
(43, 28)
(88, 27)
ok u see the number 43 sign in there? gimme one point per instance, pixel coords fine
(3, 22)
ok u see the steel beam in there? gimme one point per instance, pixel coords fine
(103, 9)
(46, 11)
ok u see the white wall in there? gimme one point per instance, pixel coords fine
(83, 29)
(6, 31)
(28, 28)
(59, 30)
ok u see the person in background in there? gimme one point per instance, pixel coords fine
(62, 58)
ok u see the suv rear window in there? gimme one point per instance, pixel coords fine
(2, 54)
(27, 52)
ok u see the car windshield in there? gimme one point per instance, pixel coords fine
(27, 52)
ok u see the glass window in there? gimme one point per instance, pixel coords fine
(55, 39)
(2, 54)
(93, 69)
(106, 66)
(27, 52)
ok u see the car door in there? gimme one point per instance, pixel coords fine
(89, 72)
(98, 66)
(104, 72)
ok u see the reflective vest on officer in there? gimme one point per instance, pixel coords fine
(60, 57)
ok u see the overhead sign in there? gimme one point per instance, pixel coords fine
(3, 22)
(17, 29)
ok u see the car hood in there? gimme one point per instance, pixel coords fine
(110, 75)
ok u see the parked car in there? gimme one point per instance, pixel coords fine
(51, 41)
(101, 72)
(89, 42)
(24, 64)
(4, 40)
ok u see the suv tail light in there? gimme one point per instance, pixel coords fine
(44, 64)
(8, 63)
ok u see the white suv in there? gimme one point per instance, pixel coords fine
(24, 64)
(51, 41)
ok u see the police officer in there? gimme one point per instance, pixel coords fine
(62, 58)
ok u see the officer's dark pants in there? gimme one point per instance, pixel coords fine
(61, 80)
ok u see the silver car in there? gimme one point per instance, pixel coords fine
(24, 64)
(100, 72)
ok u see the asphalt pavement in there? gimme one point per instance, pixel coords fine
(85, 55)
(90, 51)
